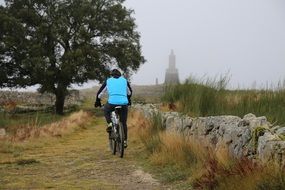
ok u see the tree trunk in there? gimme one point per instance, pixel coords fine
(59, 102)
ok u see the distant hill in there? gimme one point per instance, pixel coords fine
(145, 93)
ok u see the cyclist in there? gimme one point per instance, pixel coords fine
(119, 94)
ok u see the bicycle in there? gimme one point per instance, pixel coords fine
(117, 136)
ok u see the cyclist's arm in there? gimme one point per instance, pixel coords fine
(130, 91)
(102, 90)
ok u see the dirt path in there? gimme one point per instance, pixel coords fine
(81, 160)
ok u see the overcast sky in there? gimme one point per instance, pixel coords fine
(244, 37)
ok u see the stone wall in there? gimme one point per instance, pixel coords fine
(252, 137)
(33, 98)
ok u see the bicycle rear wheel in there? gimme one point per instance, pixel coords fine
(120, 143)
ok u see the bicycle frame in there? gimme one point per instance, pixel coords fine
(115, 116)
(117, 135)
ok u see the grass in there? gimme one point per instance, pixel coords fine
(154, 139)
(14, 145)
(186, 163)
(59, 128)
(12, 121)
(53, 163)
(78, 159)
(69, 161)
(199, 98)
(158, 154)
(256, 133)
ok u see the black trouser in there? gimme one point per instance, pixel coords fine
(108, 108)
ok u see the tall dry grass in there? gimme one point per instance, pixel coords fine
(178, 159)
(65, 126)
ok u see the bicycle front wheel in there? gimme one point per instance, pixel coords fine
(120, 143)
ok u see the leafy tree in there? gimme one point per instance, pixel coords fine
(56, 43)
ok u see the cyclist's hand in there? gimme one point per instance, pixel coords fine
(98, 103)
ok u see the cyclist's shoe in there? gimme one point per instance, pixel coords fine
(125, 143)
(109, 128)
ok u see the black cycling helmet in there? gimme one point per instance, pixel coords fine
(116, 73)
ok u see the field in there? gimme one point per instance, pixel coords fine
(212, 98)
(71, 153)
(141, 93)
(43, 150)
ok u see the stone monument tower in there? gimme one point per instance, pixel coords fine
(171, 75)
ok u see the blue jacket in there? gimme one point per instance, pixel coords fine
(118, 90)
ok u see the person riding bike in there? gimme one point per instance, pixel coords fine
(119, 94)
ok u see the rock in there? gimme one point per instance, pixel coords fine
(251, 136)
(275, 128)
(264, 143)
(249, 116)
(169, 122)
(34, 98)
(253, 122)
(148, 110)
(216, 130)
(271, 150)
(243, 123)
(237, 139)
(186, 123)
(280, 131)
(173, 122)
